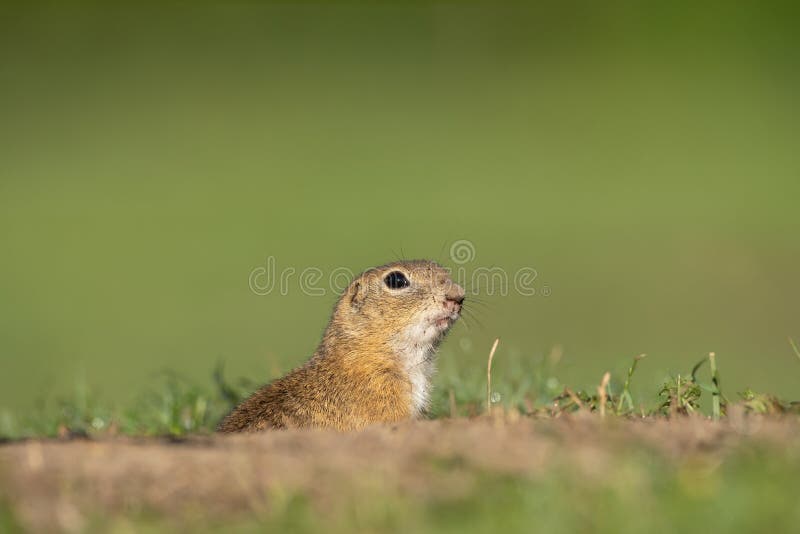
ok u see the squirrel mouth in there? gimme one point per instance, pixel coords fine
(446, 322)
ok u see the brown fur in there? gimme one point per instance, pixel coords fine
(374, 360)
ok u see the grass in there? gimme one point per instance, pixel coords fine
(174, 406)
(747, 488)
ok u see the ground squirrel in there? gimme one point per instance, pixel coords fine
(376, 358)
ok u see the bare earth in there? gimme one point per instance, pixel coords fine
(59, 485)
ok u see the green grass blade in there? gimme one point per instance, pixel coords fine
(626, 394)
(715, 401)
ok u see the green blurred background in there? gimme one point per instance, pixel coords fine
(642, 158)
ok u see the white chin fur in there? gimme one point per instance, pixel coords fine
(416, 346)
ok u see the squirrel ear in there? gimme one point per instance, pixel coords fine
(356, 294)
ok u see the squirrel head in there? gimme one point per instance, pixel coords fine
(402, 306)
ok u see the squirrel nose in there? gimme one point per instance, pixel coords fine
(455, 293)
(458, 299)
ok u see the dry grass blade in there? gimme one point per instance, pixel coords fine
(794, 347)
(489, 376)
(574, 397)
(602, 393)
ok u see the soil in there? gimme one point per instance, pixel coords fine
(58, 484)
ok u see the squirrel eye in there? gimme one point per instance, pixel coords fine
(396, 280)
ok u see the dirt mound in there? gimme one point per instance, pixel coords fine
(59, 484)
